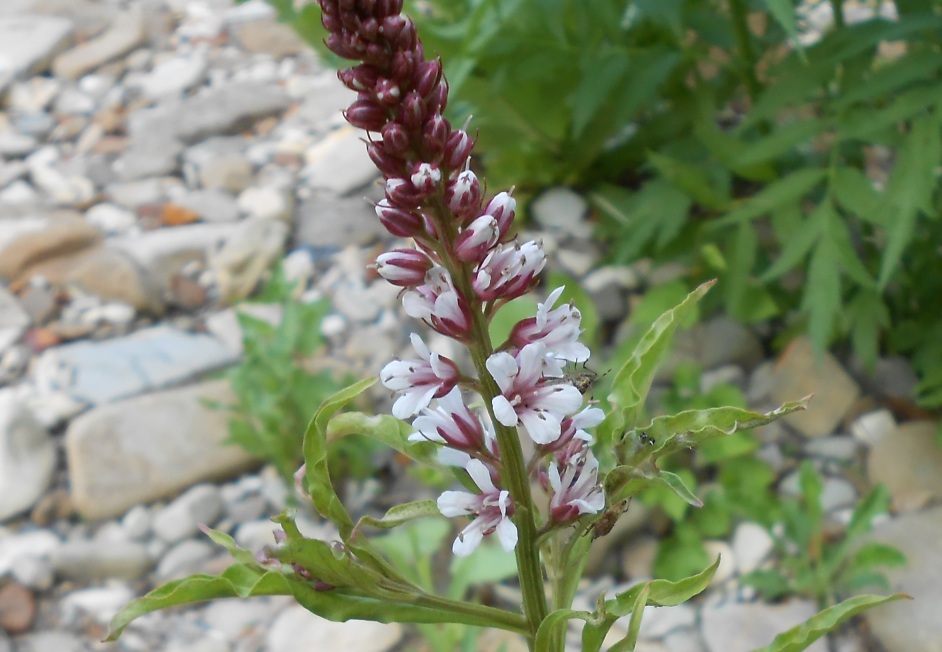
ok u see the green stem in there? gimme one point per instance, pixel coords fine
(492, 616)
(744, 43)
(513, 467)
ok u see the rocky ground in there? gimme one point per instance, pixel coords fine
(157, 157)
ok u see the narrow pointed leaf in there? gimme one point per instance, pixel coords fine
(800, 637)
(554, 625)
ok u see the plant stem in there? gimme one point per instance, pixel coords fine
(744, 43)
(837, 8)
(499, 618)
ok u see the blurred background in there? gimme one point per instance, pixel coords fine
(185, 234)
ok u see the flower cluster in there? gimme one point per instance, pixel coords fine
(465, 265)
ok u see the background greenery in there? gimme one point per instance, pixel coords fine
(704, 132)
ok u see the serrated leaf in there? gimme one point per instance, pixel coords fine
(632, 382)
(835, 229)
(855, 193)
(800, 637)
(910, 190)
(789, 189)
(781, 141)
(797, 245)
(784, 13)
(822, 297)
(865, 123)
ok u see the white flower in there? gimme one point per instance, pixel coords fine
(559, 329)
(526, 399)
(419, 381)
(491, 508)
(576, 491)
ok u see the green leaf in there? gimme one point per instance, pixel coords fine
(786, 190)
(784, 13)
(400, 514)
(781, 141)
(384, 428)
(800, 637)
(855, 193)
(317, 475)
(822, 297)
(628, 643)
(910, 190)
(503, 322)
(692, 179)
(488, 564)
(660, 593)
(632, 382)
(603, 73)
(668, 434)
(874, 554)
(554, 625)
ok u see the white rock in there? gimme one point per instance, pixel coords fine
(100, 603)
(33, 572)
(267, 203)
(137, 523)
(18, 192)
(28, 43)
(27, 456)
(16, 145)
(837, 493)
(727, 567)
(111, 218)
(735, 627)
(658, 622)
(297, 630)
(339, 163)
(97, 560)
(37, 544)
(872, 427)
(72, 101)
(173, 76)
(752, 544)
(126, 33)
(33, 95)
(200, 505)
(13, 319)
(232, 618)
(247, 254)
(298, 266)
(253, 535)
(561, 209)
(183, 559)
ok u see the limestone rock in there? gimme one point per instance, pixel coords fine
(149, 447)
(27, 456)
(339, 163)
(28, 42)
(125, 34)
(43, 239)
(741, 627)
(13, 319)
(907, 462)
(247, 254)
(798, 373)
(912, 625)
(298, 630)
(149, 359)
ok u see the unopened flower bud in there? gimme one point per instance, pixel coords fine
(476, 239)
(427, 75)
(376, 54)
(457, 149)
(503, 208)
(331, 22)
(403, 267)
(401, 193)
(395, 139)
(337, 44)
(463, 195)
(392, 26)
(425, 178)
(387, 7)
(402, 66)
(434, 135)
(366, 115)
(369, 28)
(412, 110)
(359, 78)
(400, 223)
(387, 92)
(438, 100)
(407, 38)
(386, 163)
(366, 6)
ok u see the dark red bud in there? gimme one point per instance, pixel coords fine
(387, 92)
(350, 21)
(439, 98)
(396, 139)
(359, 78)
(366, 7)
(434, 135)
(331, 22)
(407, 38)
(369, 28)
(366, 115)
(391, 27)
(375, 54)
(387, 164)
(400, 223)
(337, 44)
(347, 5)
(401, 68)
(402, 194)
(457, 148)
(427, 75)
(387, 7)
(329, 7)
(412, 110)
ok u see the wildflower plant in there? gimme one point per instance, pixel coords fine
(543, 473)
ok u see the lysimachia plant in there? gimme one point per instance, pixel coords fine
(513, 426)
